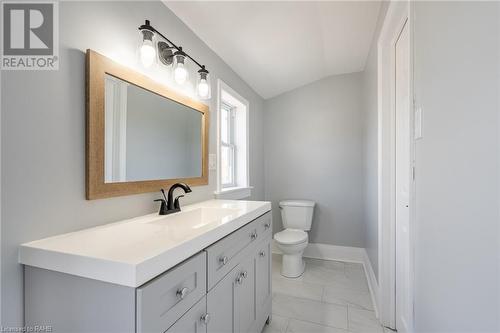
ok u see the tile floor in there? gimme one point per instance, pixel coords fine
(330, 297)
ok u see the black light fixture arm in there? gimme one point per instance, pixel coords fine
(147, 25)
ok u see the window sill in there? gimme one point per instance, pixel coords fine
(234, 193)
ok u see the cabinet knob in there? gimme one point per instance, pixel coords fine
(205, 318)
(244, 274)
(267, 225)
(253, 235)
(239, 279)
(181, 293)
(262, 253)
(223, 260)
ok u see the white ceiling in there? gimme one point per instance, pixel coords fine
(278, 46)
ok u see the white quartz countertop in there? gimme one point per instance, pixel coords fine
(131, 252)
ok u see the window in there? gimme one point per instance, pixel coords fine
(228, 147)
(232, 144)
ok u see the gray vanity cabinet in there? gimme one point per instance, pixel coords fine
(240, 302)
(226, 288)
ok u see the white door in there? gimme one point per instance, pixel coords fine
(403, 174)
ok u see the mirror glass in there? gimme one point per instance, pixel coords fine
(148, 136)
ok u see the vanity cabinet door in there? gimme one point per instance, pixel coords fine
(194, 321)
(264, 281)
(220, 302)
(263, 274)
(246, 306)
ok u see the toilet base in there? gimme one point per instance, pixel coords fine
(292, 265)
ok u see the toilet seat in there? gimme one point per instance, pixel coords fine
(291, 236)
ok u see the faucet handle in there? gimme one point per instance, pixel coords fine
(163, 206)
(163, 192)
(176, 202)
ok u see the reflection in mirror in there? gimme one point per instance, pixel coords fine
(148, 136)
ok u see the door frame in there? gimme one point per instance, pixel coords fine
(398, 14)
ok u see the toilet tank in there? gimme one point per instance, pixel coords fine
(297, 214)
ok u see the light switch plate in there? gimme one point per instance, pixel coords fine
(418, 123)
(212, 161)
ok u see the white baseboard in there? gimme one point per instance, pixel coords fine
(331, 252)
(346, 254)
(372, 282)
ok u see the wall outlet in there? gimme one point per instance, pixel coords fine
(212, 161)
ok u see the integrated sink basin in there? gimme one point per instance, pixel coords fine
(131, 252)
(198, 217)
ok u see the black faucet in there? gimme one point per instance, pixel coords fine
(170, 205)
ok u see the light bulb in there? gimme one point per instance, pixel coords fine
(148, 53)
(180, 73)
(147, 45)
(203, 83)
(203, 88)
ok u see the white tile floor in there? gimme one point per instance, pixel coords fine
(330, 297)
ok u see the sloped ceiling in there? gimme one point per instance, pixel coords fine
(278, 46)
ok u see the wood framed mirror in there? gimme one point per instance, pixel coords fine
(140, 136)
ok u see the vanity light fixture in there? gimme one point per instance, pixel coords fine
(168, 54)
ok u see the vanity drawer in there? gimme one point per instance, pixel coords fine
(166, 298)
(223, 255)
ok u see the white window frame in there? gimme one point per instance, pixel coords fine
(241, 108)
(231, 144)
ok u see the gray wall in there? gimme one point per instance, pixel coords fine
(457, 246)
(43, 133)
(314, 151)
(370, 146)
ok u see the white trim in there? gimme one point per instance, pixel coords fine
(345, 254)
(334, 252)
(234, 193)
(372, 283)
(230, 143)
(330, 252)
(398, 13)
(242, 182)
(1, 225)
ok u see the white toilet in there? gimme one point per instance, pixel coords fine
(297, 218)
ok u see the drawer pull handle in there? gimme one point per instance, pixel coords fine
(267, 225)
(223, 260)
(205, 318)
(262, 253)
(253, 236)
(181, 293)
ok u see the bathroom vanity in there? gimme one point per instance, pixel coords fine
(205, 269)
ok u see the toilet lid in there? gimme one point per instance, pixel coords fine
(291, 236)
